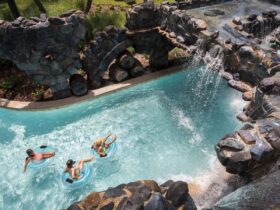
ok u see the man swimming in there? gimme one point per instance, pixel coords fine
(75, 170)
(36, 156)
(100, 145)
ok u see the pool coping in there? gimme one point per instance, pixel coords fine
(55, 104)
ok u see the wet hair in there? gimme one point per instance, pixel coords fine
(70, 163)
(30, 152)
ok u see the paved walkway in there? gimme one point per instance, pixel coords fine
(26, 105)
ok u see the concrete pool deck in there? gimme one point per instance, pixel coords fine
(41, 105)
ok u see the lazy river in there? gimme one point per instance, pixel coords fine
(165, 127)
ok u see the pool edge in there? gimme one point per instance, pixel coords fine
(54, 104)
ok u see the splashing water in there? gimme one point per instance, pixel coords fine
(163, 130)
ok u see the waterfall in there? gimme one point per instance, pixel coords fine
(208, 64)
(209, 80)
(199, 52)
(213, 59)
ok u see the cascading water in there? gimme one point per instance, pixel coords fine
(212, 61)
(199, 52)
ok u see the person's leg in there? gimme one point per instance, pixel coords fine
(88, 159)
(80, 164)
(48, 154)
(113, 140)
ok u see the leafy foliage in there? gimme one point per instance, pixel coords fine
(38, 92)
(8, 83)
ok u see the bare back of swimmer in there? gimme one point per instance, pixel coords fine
(75, 170)
(36, 156)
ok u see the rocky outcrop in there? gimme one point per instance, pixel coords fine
(150, 29)
(260, 194)
(182, 4)
(270, 85)
(168, 17)
(101, 51)
(246, 63)
(254, 25)
(45, 48)
(252, 148)
(146, 194)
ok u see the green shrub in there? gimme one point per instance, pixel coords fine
(7, 84)
(99, 20)
(38, 92)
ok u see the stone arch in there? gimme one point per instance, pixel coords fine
(113, 54)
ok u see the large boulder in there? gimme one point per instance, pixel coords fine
(238, 85)
(260, 194)
(270, 85)
(177, 193)
(78, 85)
(158, 202)
(231, 144)
(139, 195)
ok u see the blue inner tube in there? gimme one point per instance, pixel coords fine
(40, 164)
(77, 183)
(110, 151)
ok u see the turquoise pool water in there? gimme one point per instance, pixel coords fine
(166, 127)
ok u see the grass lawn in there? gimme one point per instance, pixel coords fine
(28, 8)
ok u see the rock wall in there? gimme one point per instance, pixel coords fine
(254, 26)
(146, 194)
(253, 151)
(45, 48)
(250, 148)
(150, 29)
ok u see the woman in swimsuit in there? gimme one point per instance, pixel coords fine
(36, 156)
(100, 145)
(75, 170)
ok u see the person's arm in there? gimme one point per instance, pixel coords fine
(93, 146)
(106, 138)
(26, 163)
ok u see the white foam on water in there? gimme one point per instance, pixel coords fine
(237, 104)
(209, 185)
(186, 122)
(159, 137)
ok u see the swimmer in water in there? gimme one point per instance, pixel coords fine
(36, 156)
(100, 145)
(75, 170)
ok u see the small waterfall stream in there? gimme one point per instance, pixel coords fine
(208, 64)
(211, 63)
